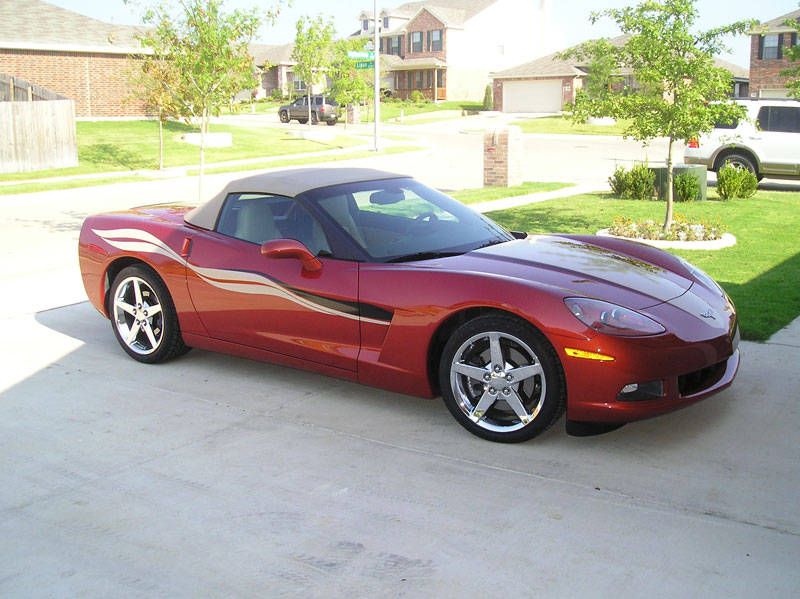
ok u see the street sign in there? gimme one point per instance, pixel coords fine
(365, 64)
(361, 55)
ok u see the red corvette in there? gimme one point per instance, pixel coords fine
(373, 277)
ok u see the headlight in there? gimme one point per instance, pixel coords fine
(608, 318)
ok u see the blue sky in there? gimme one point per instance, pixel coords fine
(570, 17)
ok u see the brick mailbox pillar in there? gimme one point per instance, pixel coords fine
(502, 157)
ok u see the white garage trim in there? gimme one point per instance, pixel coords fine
(543, 95)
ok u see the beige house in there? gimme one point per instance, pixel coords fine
(445, 49)
(548, 83)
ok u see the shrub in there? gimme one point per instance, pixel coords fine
(687, 187)
(642, 182)
(619, 181)
(735, 182)
(487, 98)
(416, 96)
(637, 184)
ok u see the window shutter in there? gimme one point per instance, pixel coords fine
(428, 43)
(409, 44)
(761, 47)
(780, 45)
(794, 39)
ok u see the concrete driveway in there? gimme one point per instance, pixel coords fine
(213, 476)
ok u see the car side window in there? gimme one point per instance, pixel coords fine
(779, 118)
(317, 101)
(258, 218)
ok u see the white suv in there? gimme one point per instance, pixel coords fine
(767, 143)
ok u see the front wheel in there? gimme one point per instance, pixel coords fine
(143, 316)
(284, 116)
(501, 379)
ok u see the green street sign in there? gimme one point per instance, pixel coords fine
(363, 55)
(365, 64)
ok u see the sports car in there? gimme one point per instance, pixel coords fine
(373, 277)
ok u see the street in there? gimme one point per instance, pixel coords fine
(214, 476)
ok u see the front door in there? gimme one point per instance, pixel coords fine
(274, 304)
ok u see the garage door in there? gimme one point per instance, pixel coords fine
(532, 96)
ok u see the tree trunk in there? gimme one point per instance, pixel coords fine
(160, 142)
(670, 178)
(308, 96)
(203, 130)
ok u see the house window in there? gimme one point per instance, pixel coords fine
(439, 78)
(365, 24)
(435, 43)
(394, 47)
(428, 79)
(386, 22)
(415, 41)
(299, 85)
(771, 49)
(419, 79)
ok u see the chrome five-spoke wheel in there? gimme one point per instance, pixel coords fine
(138, 316)
(143, 317)
(501, 379)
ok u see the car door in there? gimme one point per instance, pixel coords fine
(274, 304)
(779, 140)
(299, 108)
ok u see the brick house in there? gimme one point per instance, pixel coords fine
(445, 49)
(548, 83)
(768, 56)
(76, 56)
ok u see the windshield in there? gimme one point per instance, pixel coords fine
(396, 219)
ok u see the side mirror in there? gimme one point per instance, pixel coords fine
(291, 248)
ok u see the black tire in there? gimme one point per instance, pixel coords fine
(143, 316)
(284, 116)
(742, 161)
(314, 118)
(332, 122)
(302, 121)
(522, 397)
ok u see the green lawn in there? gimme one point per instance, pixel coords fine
(113, 146)
(761, 272)
(391, 110)
(487, 194)
(562, 125)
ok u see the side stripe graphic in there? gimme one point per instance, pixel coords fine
(136, 240)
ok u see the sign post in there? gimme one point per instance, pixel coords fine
(377, 73)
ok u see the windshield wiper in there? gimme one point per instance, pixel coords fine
(424, 256)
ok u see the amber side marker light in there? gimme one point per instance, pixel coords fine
(587, 355)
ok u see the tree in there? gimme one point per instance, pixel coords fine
(208, 54)
(313, 52)
(680, 93)
(151, 83)
(348, 85)
(794, 55)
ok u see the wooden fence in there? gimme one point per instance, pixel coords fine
(35, 135)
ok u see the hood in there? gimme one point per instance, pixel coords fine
(580, 268)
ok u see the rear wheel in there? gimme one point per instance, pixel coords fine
(143, 316)
(501, 379)
(741, 161)
(332, 122)
(284, 116)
